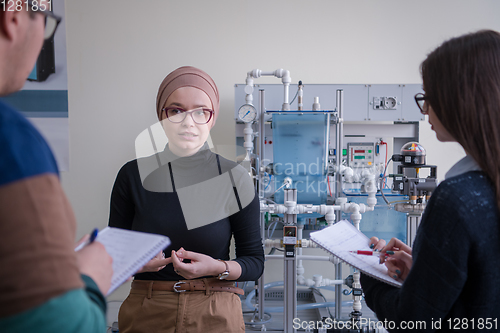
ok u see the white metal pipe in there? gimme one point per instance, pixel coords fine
(249, 89)
(276, 242)
(326, 143)
(321, 283)
(286, 87)
(261, 278)
(262, 155)
(255, 73)
(301, 257)
(248, 137)
(293, 208)
(286, 105)
(300, 228)
(279, 73)
(286, 79)
(339, 137)
(273, 243)
(338, 189)
(407, 208)
(308, 243)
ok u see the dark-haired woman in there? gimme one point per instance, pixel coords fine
(451, 275)
(198, 199)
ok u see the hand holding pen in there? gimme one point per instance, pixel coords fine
(399, 262)
(87, 240)
(374, 253)
(94, 261)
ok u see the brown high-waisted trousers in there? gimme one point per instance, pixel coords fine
(155, 311)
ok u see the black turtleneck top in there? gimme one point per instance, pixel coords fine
(150, 194)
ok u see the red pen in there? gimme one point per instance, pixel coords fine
(369, 253)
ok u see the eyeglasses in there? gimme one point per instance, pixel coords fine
(422, 105)
(199, 115)
(51, 20)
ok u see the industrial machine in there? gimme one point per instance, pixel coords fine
(408, 182)
(321, 159)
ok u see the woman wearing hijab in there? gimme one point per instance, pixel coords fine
(450, 276)
(198, 199)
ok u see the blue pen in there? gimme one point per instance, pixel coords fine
(93, 236)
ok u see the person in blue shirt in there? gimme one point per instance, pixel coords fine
(45, 286)
(450, 276)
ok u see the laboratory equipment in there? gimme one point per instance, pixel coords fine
(408, 182)
(247, 113)
(315, 165)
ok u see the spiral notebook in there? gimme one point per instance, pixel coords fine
(130, 251)
(343, 237)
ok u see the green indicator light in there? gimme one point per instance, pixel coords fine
(344, 152)
(369, 151)
(359, 157)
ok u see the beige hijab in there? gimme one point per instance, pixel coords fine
(188, 76)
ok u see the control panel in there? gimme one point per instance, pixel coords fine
(360, 154)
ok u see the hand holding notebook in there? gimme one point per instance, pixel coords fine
(130, 251)
(342, 238)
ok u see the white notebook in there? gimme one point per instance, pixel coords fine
(130, 251)
(343, 237)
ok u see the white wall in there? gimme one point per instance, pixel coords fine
(119, 51)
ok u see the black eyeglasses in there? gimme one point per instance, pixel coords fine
(199, 115)
(422, 105)
(51, 20)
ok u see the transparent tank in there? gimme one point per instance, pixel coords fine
(299, 152)
(384, 222)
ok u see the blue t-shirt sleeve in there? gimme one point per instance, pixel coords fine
(25, 152)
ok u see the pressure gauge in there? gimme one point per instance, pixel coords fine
(247, 113)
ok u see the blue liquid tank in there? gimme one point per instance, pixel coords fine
(300, 152)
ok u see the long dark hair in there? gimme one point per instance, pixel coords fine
(462, 83)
